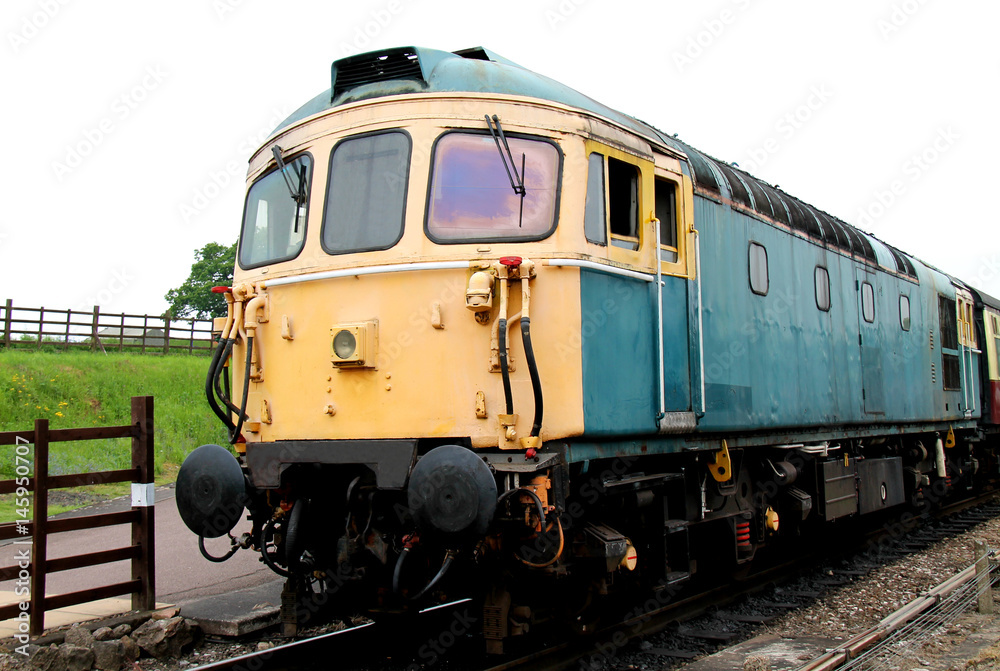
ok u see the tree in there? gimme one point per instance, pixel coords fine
(213, 266)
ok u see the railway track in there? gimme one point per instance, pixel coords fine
(437, 638)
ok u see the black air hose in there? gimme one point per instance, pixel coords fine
(524, 490)
(209, 385)
(220, 370)
(398, 571)
(504, 368)
(445, 565)
(218, 560)
(536, 383)
(268, 530)
(246, 392)
(292, 533)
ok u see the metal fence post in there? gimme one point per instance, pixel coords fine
(36, 623)
(143, 532)
(983, 579)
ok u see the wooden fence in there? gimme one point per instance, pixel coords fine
(142, 586)
(103, 331)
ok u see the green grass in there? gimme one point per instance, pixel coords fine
(80, 389)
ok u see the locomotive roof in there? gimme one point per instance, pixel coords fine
(405, 70)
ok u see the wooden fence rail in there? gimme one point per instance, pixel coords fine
(96, 330)
(33, 568)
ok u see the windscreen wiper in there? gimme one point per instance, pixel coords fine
(516, 180)
(298, 194)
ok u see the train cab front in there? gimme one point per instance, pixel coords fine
(422, 274)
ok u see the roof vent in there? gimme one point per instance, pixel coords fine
(376, 66)
(475, 53)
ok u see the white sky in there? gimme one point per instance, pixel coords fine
(846, 105)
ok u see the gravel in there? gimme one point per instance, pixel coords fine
(841, 611)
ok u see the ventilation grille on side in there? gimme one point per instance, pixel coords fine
(375, 67)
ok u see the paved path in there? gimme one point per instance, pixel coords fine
(182, 574)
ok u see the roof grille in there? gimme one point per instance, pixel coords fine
(378, 66)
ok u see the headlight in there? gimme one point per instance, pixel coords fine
(355, 345)
(344, 344)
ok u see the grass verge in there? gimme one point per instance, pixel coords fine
(77, 389)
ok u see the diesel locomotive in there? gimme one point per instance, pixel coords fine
(490, 338)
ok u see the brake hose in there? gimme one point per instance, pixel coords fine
(445, 565)
(220, 370)
(218, 560)
(246, 392)
(209, 385)
(504, 368)
(536, 383)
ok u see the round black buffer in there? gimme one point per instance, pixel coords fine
(211, 491)
(453, 492)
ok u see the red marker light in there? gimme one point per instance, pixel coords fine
(510, 261)
(530, 453)
(221, 290)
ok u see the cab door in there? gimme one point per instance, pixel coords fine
(870, 342)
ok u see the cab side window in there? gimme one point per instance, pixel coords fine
(666, 212)
(623, 203)
(595, 217)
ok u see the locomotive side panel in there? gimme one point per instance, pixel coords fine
(776, 358)
(773, 359)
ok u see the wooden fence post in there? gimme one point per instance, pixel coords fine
(41, 323)
(95, 339)
(6, 323)
(166, 332)
(69, 318)
(36, 623)
(143, 535)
